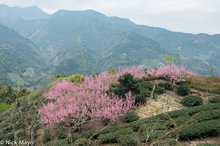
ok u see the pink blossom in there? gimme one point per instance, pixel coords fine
(88, 99)
(173, 72)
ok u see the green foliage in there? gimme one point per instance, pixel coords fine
(23, 92)
(76, 78)
(88, 134)
(112, 71)
(177, 121)
(167, 142)
(170, 59)
(9, 136)
(207, 115)
(107, 130)
(106, 121)
(8, 94)
(62, 142)
(214, 100)
(206, 144)
(196, 109)
(200, 130)
(20, 135)
(46, 136)
(112, 137)
(160, 90)
(193, 122)
(60, 132)
(150, 131)
(139, 87)
(167, 86)
(192, 101)
(128, 140)
(4, 106)
(131, 117)
(107, 138)
(81, 142)
(183, 90)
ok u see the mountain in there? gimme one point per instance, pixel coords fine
(95, 32)
(88, 42)
(20, 59)
(26, 13)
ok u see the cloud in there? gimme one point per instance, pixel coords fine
(193, 16)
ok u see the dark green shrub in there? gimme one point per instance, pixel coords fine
(138, 87)
(61, 132)
(207, 115)
(47, 136)
(214, 100)
(167, 142)
(172, 114)
(177, 121)
(108, 138)
(192, 100)
(7, 130)
(112, 136)
(20, 134)
(107, 130)
(131, 117)
(9, 136)
(151, 126)
(124, 131)
(88, 134)
(1, 134)
(73, 137)
(167, 86)
(183, 90)
(196, 109)
(81, 142)
(128, 140)
(140, 99)
(106, 121)
(160, 90)
(151, 131)
(151, 136)
(61, 142)
(206, 144)
(200, 130)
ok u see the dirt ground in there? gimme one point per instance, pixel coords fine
(166, 102)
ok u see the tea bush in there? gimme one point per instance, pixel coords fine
(214, 100)
(131, 117)
(192, 100)
(183, 90)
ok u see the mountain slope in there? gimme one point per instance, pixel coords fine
(20, 58)
(87, 42)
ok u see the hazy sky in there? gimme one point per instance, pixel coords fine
(194, 16)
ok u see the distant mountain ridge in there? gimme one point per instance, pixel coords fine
(27, 13)
(87, 42)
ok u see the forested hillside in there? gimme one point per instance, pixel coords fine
(88, 42)
(21, 61)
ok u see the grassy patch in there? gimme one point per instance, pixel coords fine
(4, 106)
(201, 83)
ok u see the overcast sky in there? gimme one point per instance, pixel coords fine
(193, 16)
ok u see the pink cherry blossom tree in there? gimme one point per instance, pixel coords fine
(173, 72)
(75, 103)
